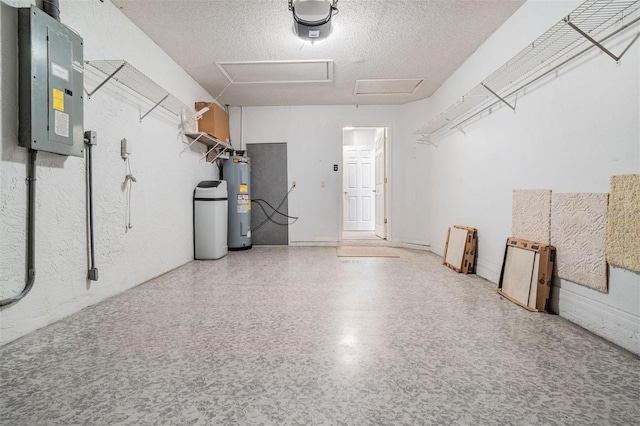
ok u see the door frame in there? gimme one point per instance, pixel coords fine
(388, 193)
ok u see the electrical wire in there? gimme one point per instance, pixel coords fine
(31, 231)
(260, 200)
(269, 218)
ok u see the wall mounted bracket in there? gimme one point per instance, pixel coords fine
(154, 107)
(424, 140)
(127, 75)
(598, 44)
(109, 77)
(457, 127)
(567, 40)
(497, 96)
(214, 143)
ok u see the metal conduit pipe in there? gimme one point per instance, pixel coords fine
(31, 231)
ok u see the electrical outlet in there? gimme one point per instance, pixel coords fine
(323, 184)
(293, 184)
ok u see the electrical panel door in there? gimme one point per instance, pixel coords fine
(50, 84)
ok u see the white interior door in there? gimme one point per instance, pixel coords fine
(358, 181)
(381, 226)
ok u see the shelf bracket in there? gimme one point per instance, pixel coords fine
(596, 43)
(218, 155)
(455, 126)
(211, 149)
(189, 145)
(498, 96)
(154, 107)
(105, 81)
(426, 140)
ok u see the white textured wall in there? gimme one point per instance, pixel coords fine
(569, 134)
(161, 238)
(314, 141)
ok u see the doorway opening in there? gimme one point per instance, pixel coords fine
(364, 175)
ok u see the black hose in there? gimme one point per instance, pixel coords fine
(31, 231)
(260, 200)
(269, 217)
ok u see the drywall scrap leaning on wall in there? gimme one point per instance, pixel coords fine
(623, 222)
(531, 215)
(579, 233)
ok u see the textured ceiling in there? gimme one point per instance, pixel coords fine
(372, 39)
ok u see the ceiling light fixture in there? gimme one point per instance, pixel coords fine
(312, 18)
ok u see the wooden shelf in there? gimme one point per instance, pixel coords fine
(214, 143)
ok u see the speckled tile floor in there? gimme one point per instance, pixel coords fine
(301, 336)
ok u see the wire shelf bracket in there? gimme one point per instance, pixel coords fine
(212, 142)
(588, 26)
(596, 43)
(513, 108)
(127, 75)
(457, 127)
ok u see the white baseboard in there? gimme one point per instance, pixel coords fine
(385, 243)
(485, 269)
(488, 270)
(610, 323)
(314, 243)
(412, 246)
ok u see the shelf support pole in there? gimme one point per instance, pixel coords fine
(592, 40)
(455, 126)
(189, 146)
(107, 79)
(212, 148)
(154, 107)
(426, 140)
(217, 156)
(498, 96)
(598, 44)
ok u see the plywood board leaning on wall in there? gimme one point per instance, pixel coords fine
(460, 249)
(527, 273)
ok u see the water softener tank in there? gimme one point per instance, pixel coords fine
(237, 173)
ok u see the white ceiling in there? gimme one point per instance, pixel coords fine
(372, 39)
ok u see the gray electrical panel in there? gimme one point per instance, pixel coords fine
(50, 84)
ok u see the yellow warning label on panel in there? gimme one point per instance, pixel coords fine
(58, 100)
(243, 188)
(249, 204)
